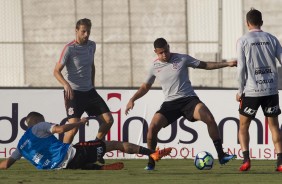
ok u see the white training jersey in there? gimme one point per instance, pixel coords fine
(173, 76)
(257, 67)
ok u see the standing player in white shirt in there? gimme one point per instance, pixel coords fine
(258, 83)
(171, 69)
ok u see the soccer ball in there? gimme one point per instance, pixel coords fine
(203, 160)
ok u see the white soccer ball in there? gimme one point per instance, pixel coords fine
(203, 160)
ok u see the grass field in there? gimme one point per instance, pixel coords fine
(168, 171)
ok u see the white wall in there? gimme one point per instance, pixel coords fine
(11, 62)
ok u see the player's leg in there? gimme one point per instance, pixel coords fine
(244, 139)
(202, 113)
(74, 111)
(276, 138)
(271, 110)
(96, 106)
(247, 109)
(131, 148)
(244, 136)
(159, 121)
(104, 128)
(274, 128)
(107, 122)
(69, 135)
(87, 153)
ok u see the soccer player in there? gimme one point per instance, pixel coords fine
(79, 87)
(41, 148)
(180, 99)
(258, 83)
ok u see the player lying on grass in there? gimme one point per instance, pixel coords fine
(40, 147)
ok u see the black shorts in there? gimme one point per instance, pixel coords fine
(87, 153)
(185, 107)
(269, 104)
(85, 101)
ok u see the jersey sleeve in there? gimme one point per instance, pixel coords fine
(191, 62)
(241, 66)
(94, 46)
(65, 55)
(16, 155)
(43, 129)
(151, 76)
(278, 52)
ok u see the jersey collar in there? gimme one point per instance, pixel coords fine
(255, 30)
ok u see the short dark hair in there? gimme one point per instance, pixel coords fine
(160, 43)
(33, 117)
(85, 22)
(254, 17)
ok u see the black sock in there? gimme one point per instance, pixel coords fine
(151, 162)
(279, 159)
(145, 151)
(218, 147)
(97, 139)
(246, 155)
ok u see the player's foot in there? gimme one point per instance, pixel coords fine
(160, 153)
(246, 165)
(101, 160)
(149, 168)
(226, 158)
(113, 166)
(279, 168)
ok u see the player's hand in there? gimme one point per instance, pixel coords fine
(238, 97)
(129, 106)
(84, 121)
(232, 63)
(68, 91)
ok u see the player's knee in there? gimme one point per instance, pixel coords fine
(110, 122)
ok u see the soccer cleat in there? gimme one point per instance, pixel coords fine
(160, 153)
(113, 166)
(149, 168)
(226, 158)
(279, 168)
(246, 166)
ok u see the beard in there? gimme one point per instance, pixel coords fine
(83, 40)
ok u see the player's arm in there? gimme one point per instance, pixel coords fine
(58, 72)
(58, 75)
(216, 65)
(93, 74)
(144, 88)
(67, 127)
(5, 164)
(278, 53)
(241, 70)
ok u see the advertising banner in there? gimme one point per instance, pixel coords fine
(187, 138)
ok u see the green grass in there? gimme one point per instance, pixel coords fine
(168, 171)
